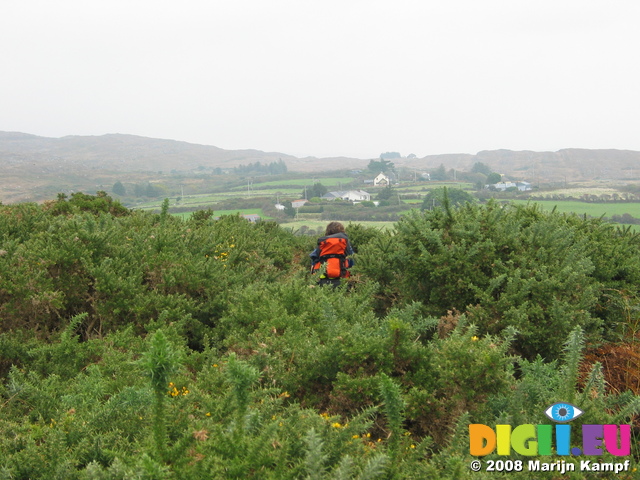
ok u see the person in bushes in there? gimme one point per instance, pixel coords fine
(332, 252)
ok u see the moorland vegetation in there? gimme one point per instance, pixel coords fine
(140, 345)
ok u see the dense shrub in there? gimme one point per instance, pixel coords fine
(127, 270)
(541, 273)
(144, 346)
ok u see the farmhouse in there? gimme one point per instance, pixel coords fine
(502, 186)
(298, 203)
(351, 195)
(381, 180)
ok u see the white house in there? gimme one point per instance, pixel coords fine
(381, 180)
(521, 186)
(298, 203)
(351, 195)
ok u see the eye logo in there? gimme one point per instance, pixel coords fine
(563, 412)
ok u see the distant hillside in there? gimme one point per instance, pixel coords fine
(567, 165)
(36, 168)
(123, 153)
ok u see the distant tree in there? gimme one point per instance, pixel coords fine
(278, 167)
(317, 190)
(385, 194)
(258, 168)
(139, 190)
(382, 165)
(439, 174)
(480, 167)
(289, 211)
(435, 198)
(494, 177)
(388, 155)
(151, 191)
(118, 188)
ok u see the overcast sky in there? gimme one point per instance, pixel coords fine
(327, 78)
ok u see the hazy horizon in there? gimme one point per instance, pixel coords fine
(352, 79)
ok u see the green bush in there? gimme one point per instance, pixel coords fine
(144, 346)
(507, 266)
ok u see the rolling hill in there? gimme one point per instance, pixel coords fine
(34, 168)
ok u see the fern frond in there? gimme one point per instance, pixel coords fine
(393, 408)
(595, 385)
(315, 458)
(572, 358)
(375, 467)
(630, 410)
(344, 470)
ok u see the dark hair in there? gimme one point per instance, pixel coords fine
(333, 228)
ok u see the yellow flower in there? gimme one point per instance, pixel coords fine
(355, 436)
(474, 338)
(413, 446)
(208, 414)
(336, 425)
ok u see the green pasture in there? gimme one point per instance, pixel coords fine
(300, 182)
(188, 201)
(582, 208)
(220, 213)
(426, 186)
(285, 190)
(320, 225)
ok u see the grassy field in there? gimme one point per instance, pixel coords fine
(319, 225)
(301, 182)
(220, 213)
(590, 209)
(288, 190)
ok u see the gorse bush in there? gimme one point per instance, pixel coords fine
(139, 345)
(541, 273)
(127, 270)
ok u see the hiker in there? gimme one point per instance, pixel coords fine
(332, 251)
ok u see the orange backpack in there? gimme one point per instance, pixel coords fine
(332, 252)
